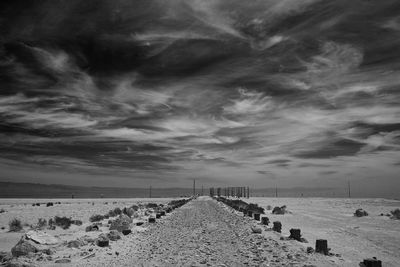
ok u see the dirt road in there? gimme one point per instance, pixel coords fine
(204, 233)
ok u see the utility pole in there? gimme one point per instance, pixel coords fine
(248, 192)
(150, 192)
(194, 187)
(348, 186)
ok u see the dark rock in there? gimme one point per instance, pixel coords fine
(371, 263)
(158, 216)
(126, 231)
(295, 234)
(321, 246)
(264, 220)
(91, 228)
(50, 204)
(152, 220)
(139, 223)
(277, 226)
(63, 261)
(257, 216)
(310, 250)
(102, 241)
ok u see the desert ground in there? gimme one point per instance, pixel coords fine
(332, 219)
(204, 232)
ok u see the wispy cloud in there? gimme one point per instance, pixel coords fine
(224, 90)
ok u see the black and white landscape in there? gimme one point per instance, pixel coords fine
(289, 98)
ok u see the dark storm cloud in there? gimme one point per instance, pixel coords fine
(218, 90)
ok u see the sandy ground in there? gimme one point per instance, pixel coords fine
(332, 219)
(77, 209)
(205, 233)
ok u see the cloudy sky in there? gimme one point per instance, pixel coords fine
(260, 93)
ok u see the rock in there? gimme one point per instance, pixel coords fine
(371, 263)
(360, 213)
(152, 220)
(23, 248)
(277, 226)
(123, 222)
(41, 238)
(126, 231)
(50, 204)
(256, 230)
(113, 235)
(102, 241)
(76, 243)
(310, 250)
(88, 239)
(63, 261)
(139, 223)
(91, 228)
(19, 263)
(5, 256)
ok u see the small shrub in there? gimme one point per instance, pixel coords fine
(62, 222)
(279, 210)
(360, 213)
(151, 205)
(96, 218)
(15, 225)
(395, 214)
(41, 224)
(117, 211)
(111, 213)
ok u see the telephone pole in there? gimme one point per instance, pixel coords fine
(348, 186)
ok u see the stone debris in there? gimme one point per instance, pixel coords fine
(123, 222)
(102, 241)
(41, 238)
(113, 235)
(63, 261)
(23, 248)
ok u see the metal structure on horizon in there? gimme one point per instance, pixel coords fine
(239, 192)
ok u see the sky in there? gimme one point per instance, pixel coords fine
(262, 93)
